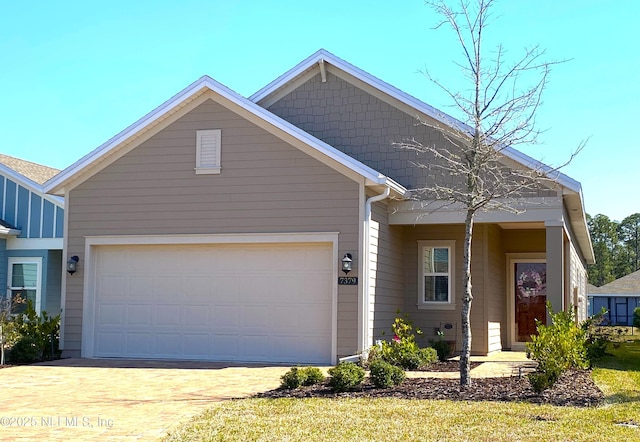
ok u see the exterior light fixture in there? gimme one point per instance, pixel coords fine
(347, 260)
(72, 264)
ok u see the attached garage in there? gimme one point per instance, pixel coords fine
(224, 301)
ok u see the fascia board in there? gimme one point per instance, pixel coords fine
(409, 100)
(57, 183)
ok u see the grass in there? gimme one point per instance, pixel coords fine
(405, 420)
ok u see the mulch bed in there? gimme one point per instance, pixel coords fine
(574, 388)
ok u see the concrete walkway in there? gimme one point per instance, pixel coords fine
(115, 400)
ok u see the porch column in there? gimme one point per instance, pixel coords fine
(555, 265)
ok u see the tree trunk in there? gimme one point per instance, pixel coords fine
(465, 354)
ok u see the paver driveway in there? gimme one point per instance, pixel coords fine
(78, 399)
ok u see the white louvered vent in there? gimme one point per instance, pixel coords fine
(208, 151)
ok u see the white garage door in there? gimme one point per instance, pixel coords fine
(262, 302)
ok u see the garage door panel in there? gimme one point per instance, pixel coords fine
(138, 344)
(167, 315)
(139, 314)
(225, 347)
(167, 287)
(110, 315)
(111, 286)
(109, 344)
(166, 345)
(229, 302)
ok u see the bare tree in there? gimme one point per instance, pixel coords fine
(499, 114)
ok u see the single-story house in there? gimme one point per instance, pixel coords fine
(619, 298)
(219, 227)
(31, 230)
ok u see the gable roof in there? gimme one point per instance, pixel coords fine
(29, 175)
(37, 173)
(629, 284)
(113, 148)
(572, 189)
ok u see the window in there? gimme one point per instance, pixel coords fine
(435, 259)
(208, 151)
(24, 283)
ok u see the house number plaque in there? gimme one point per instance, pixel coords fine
(347, 280)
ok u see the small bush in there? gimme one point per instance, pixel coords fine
(597, 337)
(428, 355)
(33, 337)
(345, 376)
(402, 350)
(636, 317)
(24, 351)
(294, 378)
(299, 376)
(556, 348)
(313, 375)
(442, 347)
(385, 375)
(540, 381)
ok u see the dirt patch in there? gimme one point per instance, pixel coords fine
(574, 388)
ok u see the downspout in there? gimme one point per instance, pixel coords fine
(364, 332)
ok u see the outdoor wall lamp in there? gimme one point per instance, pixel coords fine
(347, 260)
(72, 264)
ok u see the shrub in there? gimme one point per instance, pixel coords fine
(385, 375)
(557, 347)
(313, 375)
(299, 376)
(36, 336)
(442, 347)
(402, 350)
(294, 378)
(24, 350)
(636, 317)
(540, 381)
(597, 338)
(345, 376)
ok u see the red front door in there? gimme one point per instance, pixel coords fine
(531, 296)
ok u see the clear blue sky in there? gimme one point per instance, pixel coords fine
(75, 73)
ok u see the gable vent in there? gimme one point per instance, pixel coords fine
(208, 151)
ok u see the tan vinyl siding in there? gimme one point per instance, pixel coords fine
(265, 186)
(387, 275)
(495, 290)
(487, 280)
(524, 241)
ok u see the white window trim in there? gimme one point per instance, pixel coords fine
(208, 169)
(437, 305)
(38, 288)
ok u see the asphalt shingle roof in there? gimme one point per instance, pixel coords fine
(34, 171)
(629, 284)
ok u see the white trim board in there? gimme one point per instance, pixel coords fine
(34, 243)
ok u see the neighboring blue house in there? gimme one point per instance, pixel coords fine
(31, 231)
(620, 298)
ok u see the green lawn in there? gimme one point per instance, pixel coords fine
(394, 419)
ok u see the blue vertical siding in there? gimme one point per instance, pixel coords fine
(47, 219)
(59, 222)
(29, 211)
(22, 217)
(3, 267)
(36, 216)
(2, 196)
(10, 203)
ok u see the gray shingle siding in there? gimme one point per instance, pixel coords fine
(358, 124)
